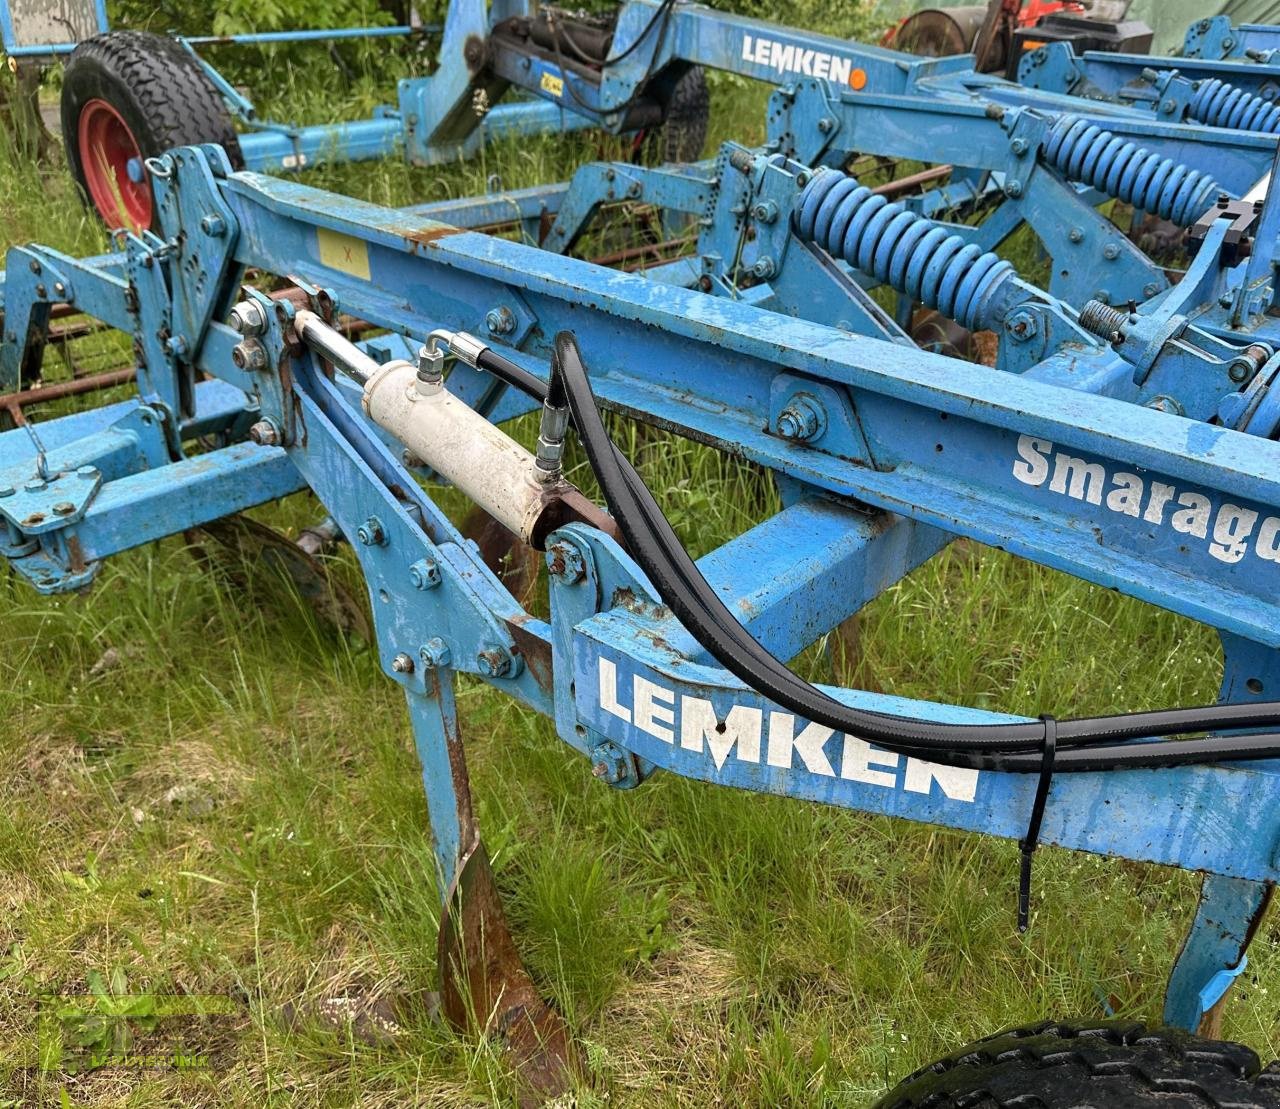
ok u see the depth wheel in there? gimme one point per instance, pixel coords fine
(128, 96)
(1100, 1065)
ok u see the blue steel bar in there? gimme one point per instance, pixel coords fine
(283, 148)
(320, 34)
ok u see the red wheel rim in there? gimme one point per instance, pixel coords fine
(107, 149)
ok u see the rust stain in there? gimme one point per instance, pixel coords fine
(75, 552)
(535, 651)
(425, 236)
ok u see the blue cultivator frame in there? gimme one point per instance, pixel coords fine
(1130, 444)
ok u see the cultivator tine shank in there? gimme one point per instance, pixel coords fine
(484, 986)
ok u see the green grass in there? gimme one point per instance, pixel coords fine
(234, 808)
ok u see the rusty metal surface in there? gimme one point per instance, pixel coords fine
(14, 403)
(484, 985)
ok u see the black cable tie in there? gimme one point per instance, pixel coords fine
(1028, 844)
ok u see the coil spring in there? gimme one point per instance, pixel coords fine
(1219, 104)
(1096, 157)
(1102, 319)
(913, 255)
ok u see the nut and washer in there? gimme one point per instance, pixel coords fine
(371, 533)
(402, 664)
(424, 574)
(248, 318)
(434, 653)
(265, 434)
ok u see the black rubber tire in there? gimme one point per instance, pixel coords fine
(1099, 1065)
(157, 87)
(683, 133)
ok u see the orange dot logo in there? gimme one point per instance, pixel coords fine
(858, 80)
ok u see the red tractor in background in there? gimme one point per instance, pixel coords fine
(998, 33)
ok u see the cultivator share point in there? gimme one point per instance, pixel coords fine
(287, 338)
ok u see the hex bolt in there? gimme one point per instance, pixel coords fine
(371, 533)
(494, 661)
(765, 211)
(1013, 188)
(402, 664)
(214, 226)
(825, 124)
(41, 291)
(609, 764)
(1021, 326)
(434, 653)
(7, 490)
(265, 434)
(248, 317)
(802, 419)
(1019, 146)
(1076, 235)
(34, 266)
(1150, 289)
(87, 472)
(764, 267)
(565, 561)
(176, 345)
(34, 485)
(1111, 251)
(500, 321)
(424, 574)
(249, 355)
(63, 508)
(59, 288)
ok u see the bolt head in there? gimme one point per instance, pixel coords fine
(1111, 252)
(434, 653)
(424, 574)
(87, 472)
(371, 533)
(1013, 188)
(402, 664)
(801, 419)
(214, 226)
(63, 508)
(494, 662)
(764, 267)
(565, 561)
(249, 355)
(248, 317)
(34, 265)
(34, 485)
(7, 490)
(265, 434)
(500, 320)
(1019, 146)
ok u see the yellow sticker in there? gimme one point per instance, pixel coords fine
(342, 252)
(552, 84)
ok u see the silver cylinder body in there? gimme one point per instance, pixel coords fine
(458, 443)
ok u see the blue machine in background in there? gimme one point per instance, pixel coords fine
(1127, 434)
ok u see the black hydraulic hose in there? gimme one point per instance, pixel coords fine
(1013, 746)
